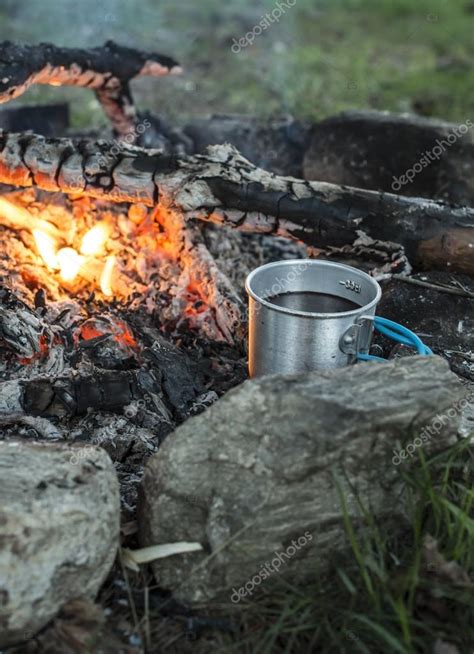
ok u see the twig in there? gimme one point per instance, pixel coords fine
(147, 618)
(437, 287)
(465, 355)
(131, 601)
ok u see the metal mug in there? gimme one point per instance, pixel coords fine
(307, 314)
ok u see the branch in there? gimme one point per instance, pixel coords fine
(222, 187)
(107, 70)
(451, 290)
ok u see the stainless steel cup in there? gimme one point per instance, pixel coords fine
(307, 314)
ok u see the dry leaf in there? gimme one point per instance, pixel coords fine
(449, 571)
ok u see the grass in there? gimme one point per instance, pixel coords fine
(388, 595)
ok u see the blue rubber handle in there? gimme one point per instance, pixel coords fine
(399, 334)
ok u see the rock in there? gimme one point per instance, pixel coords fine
(251, 478)
(368, 149)
(59, 528)
(277, 146)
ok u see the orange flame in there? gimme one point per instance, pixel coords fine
(67, 260)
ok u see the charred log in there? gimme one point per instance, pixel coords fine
(276, 145)
(113, 391)
(378, 150)
(107, 70)
(201, 273)
(107, 391)
(222, 187)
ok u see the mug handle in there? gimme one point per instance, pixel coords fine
(396, 332)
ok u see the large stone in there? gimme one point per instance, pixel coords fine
(59, 528)
(253, 476)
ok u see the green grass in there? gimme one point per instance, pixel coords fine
(320, 58)
(384, 597)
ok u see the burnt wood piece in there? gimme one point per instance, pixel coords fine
(107, 70)
(403, 154)
(165, 380)
(199, 270)
(74, 394)
(223, 187)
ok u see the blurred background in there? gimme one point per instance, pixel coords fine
(320, 57)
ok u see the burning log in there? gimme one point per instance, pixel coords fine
(201, 277)
(107, 70)
(223, 187)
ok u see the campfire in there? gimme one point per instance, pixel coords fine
(111, 323)
(111, 279)
(122, 306)
(82, 249)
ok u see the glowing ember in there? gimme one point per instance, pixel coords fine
(43, 351)
(69, 262)
(46, 245)
(95, 239)
(117, 329)
(106, 276)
